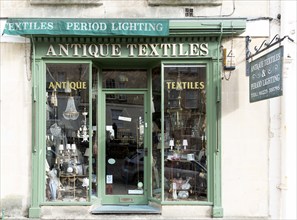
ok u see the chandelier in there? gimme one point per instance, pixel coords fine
(70, 113)
(83, 130)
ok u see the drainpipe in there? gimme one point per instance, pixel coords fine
(287, 184)
(218, 96)
(217, 211)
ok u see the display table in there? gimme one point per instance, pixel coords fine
(69, 182)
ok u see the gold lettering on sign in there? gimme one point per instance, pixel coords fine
(185, 85)
(72, 85)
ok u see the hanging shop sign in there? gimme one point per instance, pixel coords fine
(266, 76)
(87, 27)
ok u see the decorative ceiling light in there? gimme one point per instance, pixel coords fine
(83, 130)
(70, 113)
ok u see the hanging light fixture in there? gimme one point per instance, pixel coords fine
(83, 130)
(70, 113)
(55, 128)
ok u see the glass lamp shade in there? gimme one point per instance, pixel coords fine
(70, 113)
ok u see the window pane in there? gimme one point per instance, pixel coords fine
(124, 79)
(185, 162)
(67, 141)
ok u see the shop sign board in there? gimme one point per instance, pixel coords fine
(87, 27)
(128, 50)
(266, 76)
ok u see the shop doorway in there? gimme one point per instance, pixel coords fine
(124, 159)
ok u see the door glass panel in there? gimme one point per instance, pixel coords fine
(125, 145)
(67, 133)
(124, 79)
(185, 165)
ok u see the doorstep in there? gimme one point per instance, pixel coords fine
(125, 209)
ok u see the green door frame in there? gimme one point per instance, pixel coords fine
(213, 110)
(120, 199)
(39, 131)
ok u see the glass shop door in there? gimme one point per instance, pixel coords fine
(125, 148)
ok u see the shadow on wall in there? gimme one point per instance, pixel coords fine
(233, 82)
(235, 87)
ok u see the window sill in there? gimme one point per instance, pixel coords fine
(66, 2)
(184, 2)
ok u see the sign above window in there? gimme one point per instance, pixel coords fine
(90, 27)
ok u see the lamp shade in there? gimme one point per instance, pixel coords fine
(171, 143)
(185, 142)
(61, 147)
(73, 146)
(87, 152)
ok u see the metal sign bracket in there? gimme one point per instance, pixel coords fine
(264, 46)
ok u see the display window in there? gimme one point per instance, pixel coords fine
(178, 152)
(68, 134)
(184, 137)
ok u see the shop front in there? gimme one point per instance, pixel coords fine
(129, 115)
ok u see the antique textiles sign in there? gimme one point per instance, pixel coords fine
(266, 76)
(128, 50)
(87, 27)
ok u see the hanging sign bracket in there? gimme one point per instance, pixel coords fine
(266, 45)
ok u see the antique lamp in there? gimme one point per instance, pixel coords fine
(185, 143)
(171, 144)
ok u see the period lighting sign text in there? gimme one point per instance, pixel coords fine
(266, 76)
(87, 27)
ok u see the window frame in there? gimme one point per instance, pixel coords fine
(211, 128)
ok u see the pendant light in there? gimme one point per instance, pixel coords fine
(70, 113)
